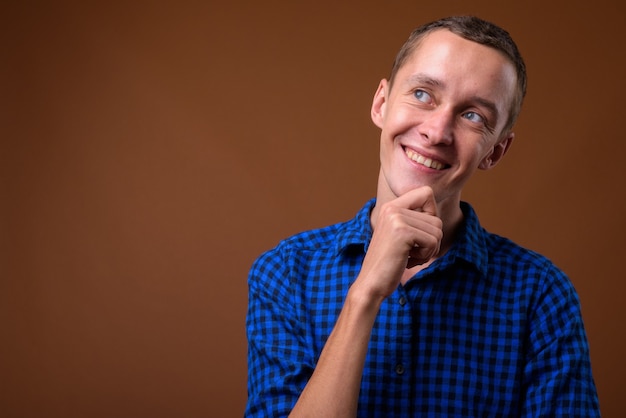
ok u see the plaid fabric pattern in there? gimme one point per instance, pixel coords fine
(488, 330)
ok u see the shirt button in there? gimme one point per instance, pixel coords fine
(402, 301)
(400, 368)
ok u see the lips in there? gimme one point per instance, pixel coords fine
(425, 161)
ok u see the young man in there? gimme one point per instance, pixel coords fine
(411, 308)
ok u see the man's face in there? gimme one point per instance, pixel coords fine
(443, 117)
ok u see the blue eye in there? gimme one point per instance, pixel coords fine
(422, 96)
(474, 117)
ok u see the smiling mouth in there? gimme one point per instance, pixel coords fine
(426, 162)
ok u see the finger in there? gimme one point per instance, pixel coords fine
(425, 238)
(420, 255)
(422, 221)
(422, 199)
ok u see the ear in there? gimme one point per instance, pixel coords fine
(497, 152)
(379, 103)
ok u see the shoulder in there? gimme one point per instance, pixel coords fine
(312, 249)
(524, 272)
(325, 240)
(505, 251)
(499, 256)
(314, 240)
(534, 276)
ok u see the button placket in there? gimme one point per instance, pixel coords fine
(404, 329)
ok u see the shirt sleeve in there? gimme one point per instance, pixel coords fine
(557, 378)
(279, 364)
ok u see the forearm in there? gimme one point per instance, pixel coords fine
(333, 389)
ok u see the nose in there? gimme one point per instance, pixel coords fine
(437, 126)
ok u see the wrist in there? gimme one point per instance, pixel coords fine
(361, 298)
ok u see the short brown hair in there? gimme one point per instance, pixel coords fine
(477, 30)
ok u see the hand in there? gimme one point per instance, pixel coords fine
(407, 233)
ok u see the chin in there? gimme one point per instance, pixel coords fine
(405, 188)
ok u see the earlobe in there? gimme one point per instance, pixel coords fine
(379, 104)
(498, 151)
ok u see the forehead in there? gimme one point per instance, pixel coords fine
(462, 66)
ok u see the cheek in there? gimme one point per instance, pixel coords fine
(398, 117)
(403, 120)
(387, 145)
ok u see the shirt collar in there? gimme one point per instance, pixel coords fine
(358, 231)
(470, 246)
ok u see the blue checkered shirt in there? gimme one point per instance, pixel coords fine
(488, 330)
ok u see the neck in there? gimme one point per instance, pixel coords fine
(452, 217)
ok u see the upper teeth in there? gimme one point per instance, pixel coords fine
(420, 159)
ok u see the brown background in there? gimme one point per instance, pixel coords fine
(151, 150)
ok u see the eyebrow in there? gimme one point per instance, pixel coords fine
(424, 79)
